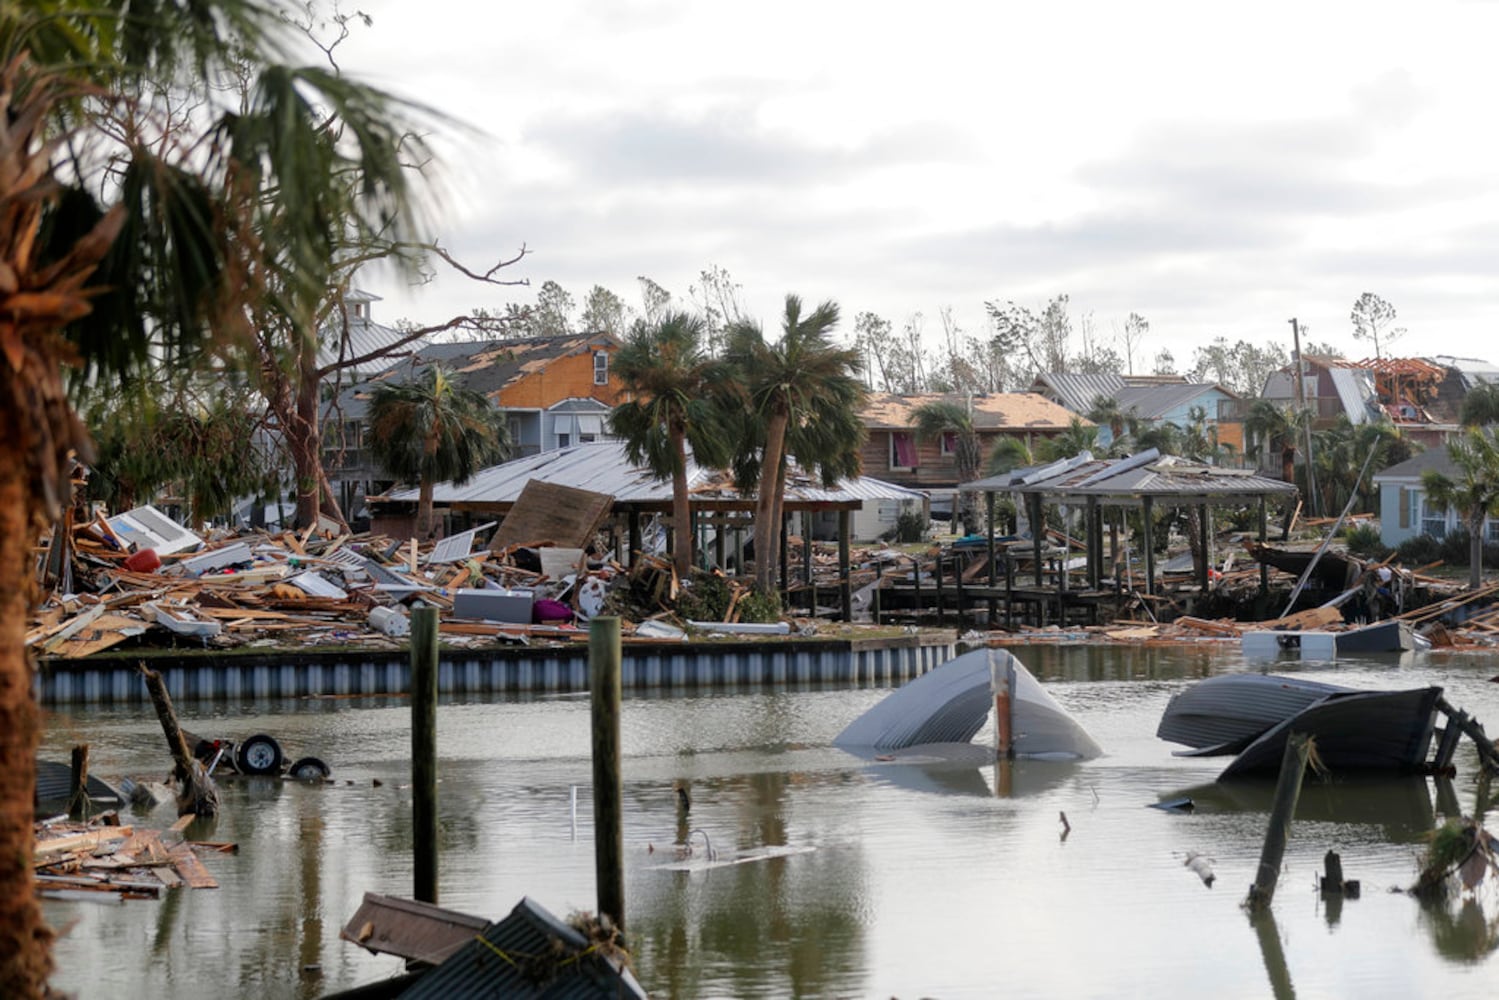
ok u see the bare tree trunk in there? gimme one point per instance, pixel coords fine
(424, 510)
(330, 505)
(1475, 551)
(304, 437)
(681, 508)
(25, 940)
(767, 507)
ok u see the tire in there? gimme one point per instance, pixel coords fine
(260, 754)
(309, 769)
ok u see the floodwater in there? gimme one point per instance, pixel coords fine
(912, 882)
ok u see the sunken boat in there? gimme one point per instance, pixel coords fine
(1250, 716)
(950, 704)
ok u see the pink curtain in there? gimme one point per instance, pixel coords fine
(904, 448)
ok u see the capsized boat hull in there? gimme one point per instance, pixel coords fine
(951, 703)
(1224, 714)
(1354, 731)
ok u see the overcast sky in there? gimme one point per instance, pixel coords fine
(1218, 168)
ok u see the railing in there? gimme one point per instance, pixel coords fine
(1322, 407)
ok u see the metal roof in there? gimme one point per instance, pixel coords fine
(1437, 459)
(1126, 480)
(365, 336)
(604, 467)
(1152, 402)
(1078, 392)
(528, 954)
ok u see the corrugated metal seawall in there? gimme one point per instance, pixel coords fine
(711, 665)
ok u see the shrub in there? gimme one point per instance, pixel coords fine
(910, 526)
(1363, 541)
(1457, 546)
(1420, 550)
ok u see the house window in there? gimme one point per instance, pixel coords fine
(949, 443)
(564, 440)
(902, 450)
(600, 367)
(1433, 522)
(1491, 531)
(590, 427)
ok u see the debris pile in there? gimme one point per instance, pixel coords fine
(133, 863)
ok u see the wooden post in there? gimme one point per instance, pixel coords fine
(424, 753)
(198, 794)
(1009, 588)
(937, 579)
(1038, 532)
(845, 587)
(720, 529)
(1204, 572)
(78, 801)
(916, 608)
(1147, 511)
(605, 656)
(1264, 566)
(1283, 808)
(1094, 536)
(635, 542)
(993, 608)
(807, 564)
(1002, 683)
(785, 561)
(957, 573)
(1114, 547)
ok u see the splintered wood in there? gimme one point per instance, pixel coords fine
(131, 862)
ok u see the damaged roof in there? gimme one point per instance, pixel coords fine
(1123, 481)
(605, 467)
(996, 411)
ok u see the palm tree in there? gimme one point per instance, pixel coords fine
(939, 418)
(1480, 406)
(433, 430)
(1076, 439)
(1105, 412)
(1165, 437)
(1474, 494)
(804, 397)
(677, 397)
(1010, 452)
(128, 238)
(1270, 424)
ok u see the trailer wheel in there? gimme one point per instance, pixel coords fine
(309, 769)
(260, 754)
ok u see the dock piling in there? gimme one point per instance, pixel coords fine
(424, 752)
(605, 654)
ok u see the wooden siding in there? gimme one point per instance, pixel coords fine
(567, 377)
(933, 469)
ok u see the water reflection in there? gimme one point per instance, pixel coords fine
(911, 864)
(1401, 807)
(1272, 953)
(1461, 931)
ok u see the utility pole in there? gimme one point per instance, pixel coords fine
(1311, 477)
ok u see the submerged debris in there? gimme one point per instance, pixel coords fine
(102, 856)
(1460, 849)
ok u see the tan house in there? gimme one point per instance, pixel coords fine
(893, 453)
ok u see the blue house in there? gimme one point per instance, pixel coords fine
(1405, 512)
(1150, 399)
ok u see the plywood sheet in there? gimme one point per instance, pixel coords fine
(546, 512)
